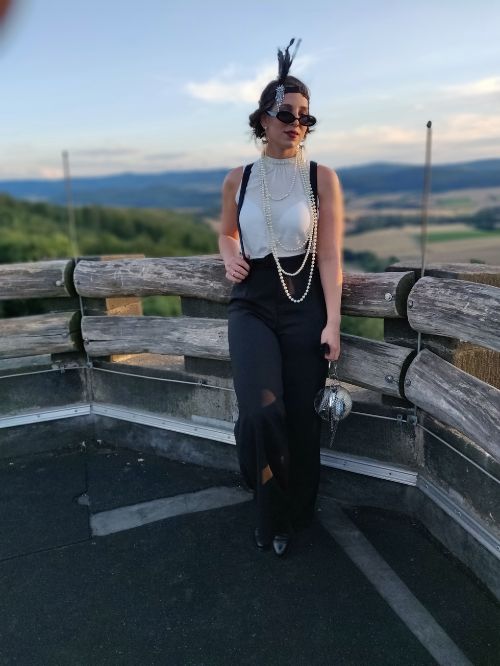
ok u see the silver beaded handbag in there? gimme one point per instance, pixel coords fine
(333, 402)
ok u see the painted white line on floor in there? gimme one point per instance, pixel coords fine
(416, 617)
(135, 515)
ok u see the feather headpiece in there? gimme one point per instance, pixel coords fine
(284, 63)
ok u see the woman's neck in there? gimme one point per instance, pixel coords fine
(280, 153)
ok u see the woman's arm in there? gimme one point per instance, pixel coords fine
(229, 245)
(329, 253)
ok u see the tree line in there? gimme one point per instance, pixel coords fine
(486, 219)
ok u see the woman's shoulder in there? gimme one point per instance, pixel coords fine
(326, 172)
(233, 178)
(327, 178)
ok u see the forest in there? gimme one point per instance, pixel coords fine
(36, 231)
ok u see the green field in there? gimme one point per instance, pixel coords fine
(454, 202)
(444, 236)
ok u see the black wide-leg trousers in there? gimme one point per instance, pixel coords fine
(278, 367)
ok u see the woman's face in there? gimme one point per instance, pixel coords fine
(282, 135)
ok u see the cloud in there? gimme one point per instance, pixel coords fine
(461, 127)
(103, 153)
(160, 157)
(228, 86)
(374, 135)
(223, 88)
(480, 88)
(461, 136)
(113, 160)
(50, 173)
(472, 127)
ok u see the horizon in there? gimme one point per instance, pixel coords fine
(169, 88)
(224, 168)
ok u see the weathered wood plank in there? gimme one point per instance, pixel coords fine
(368, 363)
(38, 279)
(464, 310)
(182, 276)
(373, 364)
(456, 398)
(363, 294)
(40, 334)
(376, 294)
(205, 338)
(479, 361)
(483, 273)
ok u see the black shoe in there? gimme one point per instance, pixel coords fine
(281, 543)
(259, 542)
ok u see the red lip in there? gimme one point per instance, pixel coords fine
(292, 134)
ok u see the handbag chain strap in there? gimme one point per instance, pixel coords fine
(332, 370)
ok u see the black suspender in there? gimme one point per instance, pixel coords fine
(244, 183)
(313, 175)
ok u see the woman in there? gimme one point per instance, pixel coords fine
(284, 309)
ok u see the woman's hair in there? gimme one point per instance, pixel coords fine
(267, 100)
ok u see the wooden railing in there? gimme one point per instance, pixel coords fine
(466, 310)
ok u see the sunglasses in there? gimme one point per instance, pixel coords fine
(288, 118)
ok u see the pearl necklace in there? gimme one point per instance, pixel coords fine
(312, 237)
(284, 196)
(266, 194)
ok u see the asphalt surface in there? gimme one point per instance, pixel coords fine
(193, 588)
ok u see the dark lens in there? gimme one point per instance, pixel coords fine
(307, 120)
(285, 117)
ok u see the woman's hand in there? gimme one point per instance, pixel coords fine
(236, 269)
(331, 335)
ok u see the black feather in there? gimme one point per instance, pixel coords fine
(285, 60)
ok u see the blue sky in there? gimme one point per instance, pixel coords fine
(161, 85)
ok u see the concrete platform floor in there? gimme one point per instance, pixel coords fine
(361, 586)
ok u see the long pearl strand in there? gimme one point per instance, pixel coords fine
(312, 239)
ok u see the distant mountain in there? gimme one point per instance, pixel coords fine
(200, 190)
(176, 189)
(389, 178)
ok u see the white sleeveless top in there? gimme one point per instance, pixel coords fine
(291, 216)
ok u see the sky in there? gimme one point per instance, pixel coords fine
(159, 85)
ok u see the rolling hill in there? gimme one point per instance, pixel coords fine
(200, 190)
